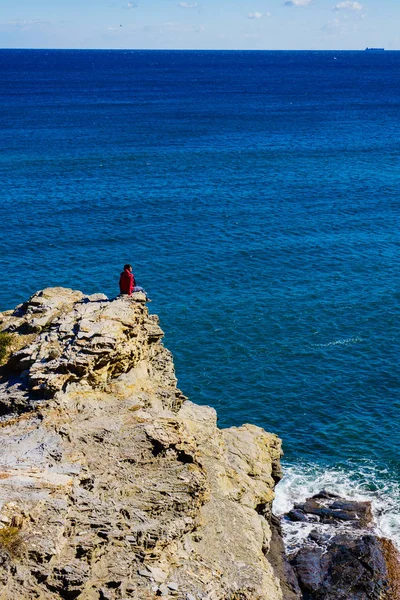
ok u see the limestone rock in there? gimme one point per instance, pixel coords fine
(112, 485)
(86, 339)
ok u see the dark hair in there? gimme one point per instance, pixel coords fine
(127, 267)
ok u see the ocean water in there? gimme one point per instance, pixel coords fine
(257, 196)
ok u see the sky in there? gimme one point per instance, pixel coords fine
(200, 24)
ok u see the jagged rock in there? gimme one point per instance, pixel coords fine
(281, 565)
(345, 561)
(347, 569)
(392, 559)
(118, 484)
(172, 585)
(86, 339)
(329, 508)
(68, 580)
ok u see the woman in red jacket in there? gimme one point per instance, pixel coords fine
(127, 282)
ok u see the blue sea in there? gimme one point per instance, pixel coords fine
(257, 195)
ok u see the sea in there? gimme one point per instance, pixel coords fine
(257, 196)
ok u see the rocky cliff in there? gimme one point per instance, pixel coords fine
(112, 484)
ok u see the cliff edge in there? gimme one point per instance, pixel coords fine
(112, 484)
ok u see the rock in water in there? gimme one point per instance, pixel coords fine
(342, 559)
(112, 484)
(346, 568)
(281, 565)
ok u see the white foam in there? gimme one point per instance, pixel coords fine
(341, 342)
(356, 481)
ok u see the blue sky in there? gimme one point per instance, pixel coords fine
(191, 24)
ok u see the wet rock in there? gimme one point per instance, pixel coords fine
(324, 494)
(307, 566)
(298, 515)
(281, 565)
(319, 537)
(332, 509)
(343, 561)
(347, 569)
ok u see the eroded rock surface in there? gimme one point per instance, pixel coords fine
(112, 484)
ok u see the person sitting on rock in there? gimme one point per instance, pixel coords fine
(127, 283)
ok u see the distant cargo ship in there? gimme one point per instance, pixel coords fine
(374, 49)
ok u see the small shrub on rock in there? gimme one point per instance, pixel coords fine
(11, 541)
(5, 343)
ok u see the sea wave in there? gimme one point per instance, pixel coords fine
(362, 481)
(340, 342)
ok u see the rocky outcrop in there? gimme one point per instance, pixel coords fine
(67, 337)
(112, 484)
(342, 559)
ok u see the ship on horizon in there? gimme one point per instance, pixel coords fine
(374, 49)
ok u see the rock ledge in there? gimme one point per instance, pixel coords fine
(112, 484)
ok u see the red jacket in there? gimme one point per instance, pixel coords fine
(126, 282)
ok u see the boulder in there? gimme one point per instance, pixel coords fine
(330, 509)
(342, 559)
(346, 568)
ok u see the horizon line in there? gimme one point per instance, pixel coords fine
(203, 49)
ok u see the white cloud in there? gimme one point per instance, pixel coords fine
(297, 2)
(255, 15)
(129, 5)
(24, 25)
(188, 4)
(348, 5)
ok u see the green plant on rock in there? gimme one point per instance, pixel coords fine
(11, 540)
(5, 344)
